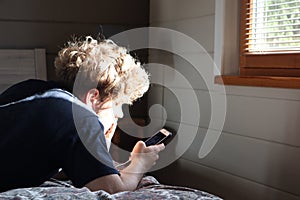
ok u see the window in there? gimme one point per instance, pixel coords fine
(269, 43)
(270, 37)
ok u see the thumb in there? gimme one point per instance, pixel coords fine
(139, 147)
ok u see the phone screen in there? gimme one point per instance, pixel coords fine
(158, 138)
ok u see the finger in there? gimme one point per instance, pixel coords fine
(155, 148)
(159, 147)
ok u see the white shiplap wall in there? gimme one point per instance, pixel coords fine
(258, 153)
(18, 65)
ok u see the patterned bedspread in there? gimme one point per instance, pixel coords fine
(149, 188)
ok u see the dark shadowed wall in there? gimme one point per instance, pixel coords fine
(49, 24)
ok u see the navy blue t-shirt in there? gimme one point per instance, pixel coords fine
(44, 129)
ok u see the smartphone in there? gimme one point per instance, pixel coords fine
(158, 137)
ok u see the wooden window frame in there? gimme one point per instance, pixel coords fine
(267, 70)
(269, 64)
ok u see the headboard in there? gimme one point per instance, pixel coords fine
(20, 64)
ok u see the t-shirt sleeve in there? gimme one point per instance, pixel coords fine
(88, 157)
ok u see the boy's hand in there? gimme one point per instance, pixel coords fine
(144, 156)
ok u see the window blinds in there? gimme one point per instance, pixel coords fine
(272, 26)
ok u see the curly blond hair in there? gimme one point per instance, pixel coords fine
(103, 65)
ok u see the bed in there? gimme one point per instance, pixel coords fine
(19, 65)
(149, 188)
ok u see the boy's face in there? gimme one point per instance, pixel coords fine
(109, 113)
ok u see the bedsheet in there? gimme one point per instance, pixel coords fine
(149, 188)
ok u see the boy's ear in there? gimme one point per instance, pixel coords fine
(92, 97)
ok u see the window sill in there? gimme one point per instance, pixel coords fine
(259, 81)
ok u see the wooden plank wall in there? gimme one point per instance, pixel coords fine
(49, 24)
(21, 64)
(258, 153)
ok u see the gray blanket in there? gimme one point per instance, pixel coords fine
(149, 188)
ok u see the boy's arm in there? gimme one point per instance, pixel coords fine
(142, 159)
